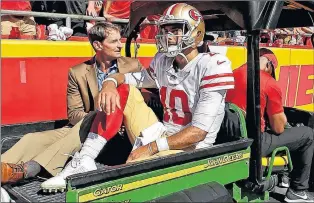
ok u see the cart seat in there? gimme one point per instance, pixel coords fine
(279, 161)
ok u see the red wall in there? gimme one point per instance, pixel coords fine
(34, 89)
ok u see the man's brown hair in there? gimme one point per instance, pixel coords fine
(100, 31)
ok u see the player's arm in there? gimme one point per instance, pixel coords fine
(183, 139)
(278, 122)
(108, 97)
(274, 107)
(142, 79)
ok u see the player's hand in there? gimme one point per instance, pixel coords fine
(108, 98)
(109, 17)
(140, 153)
(91, 11)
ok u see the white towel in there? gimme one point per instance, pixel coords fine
(150, 134)
(59, 34)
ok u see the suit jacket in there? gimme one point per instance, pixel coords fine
(83, 88)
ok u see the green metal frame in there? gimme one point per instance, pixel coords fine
(242, 195)
(274, 153)
(241, 118)
(273, 156)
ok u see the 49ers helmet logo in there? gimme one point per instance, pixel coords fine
(195, 15)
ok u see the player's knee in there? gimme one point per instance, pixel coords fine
(131, 93)
(124, 93)
(123, 87)
(308, 133)
(123, 90)
(136, 94)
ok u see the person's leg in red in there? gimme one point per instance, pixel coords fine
(104, 128)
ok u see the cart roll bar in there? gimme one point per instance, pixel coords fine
(128, 45)
(265, 17)
(68, 17)
(131, 36)
(253, 102)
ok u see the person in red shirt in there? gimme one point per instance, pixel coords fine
(148, 28)
(111, 10)
(118, 9)
(26, 24)
(270, 92)
(299, 140)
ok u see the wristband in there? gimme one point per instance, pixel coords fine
(162, 144)
(113, 80)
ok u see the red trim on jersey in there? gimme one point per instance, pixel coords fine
(151, 70)
(216, 84)
(217, 76)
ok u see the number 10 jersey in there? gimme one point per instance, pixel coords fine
(189, 96)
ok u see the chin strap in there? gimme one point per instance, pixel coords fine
(181, 54)
(200, 44)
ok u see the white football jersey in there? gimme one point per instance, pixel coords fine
(184, 93)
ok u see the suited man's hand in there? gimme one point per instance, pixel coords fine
(108, 98)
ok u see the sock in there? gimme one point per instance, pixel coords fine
(31, 169)
(93, 145)
(104, 127)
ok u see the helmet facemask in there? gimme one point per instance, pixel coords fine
(183, 39)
